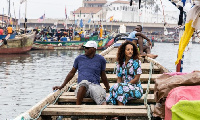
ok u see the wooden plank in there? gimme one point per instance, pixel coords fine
(112, 58)
(99, 106)
(69, 97)
(95, 110)
(144, 66)
(143, 77)
(144, 86)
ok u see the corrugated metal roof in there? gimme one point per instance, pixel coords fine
(95, 2)
(88, 10)
(123, 2)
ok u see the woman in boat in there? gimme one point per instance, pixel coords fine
(128, 84)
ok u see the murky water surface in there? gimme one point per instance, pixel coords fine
(26, 79)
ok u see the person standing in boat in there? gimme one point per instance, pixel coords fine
(1, 31)
(128, 71)
(9, 29)
(100, 32)
(91, 67)
(144, 49)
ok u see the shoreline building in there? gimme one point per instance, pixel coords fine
(91, 10)
(121, 11)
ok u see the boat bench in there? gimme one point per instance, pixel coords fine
(144, 66)
(143, 77)
(144, 86)
(112, 57)
(69, 97)
(112, 78)
(94, 111)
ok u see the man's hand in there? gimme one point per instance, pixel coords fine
(150, 44)
(107, 89)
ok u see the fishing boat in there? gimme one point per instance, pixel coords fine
(60, 45)
(19, 44)
(61, 103)
(66, 40)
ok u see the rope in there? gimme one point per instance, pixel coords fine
(147, 92)
(114, 72)
(49, 104)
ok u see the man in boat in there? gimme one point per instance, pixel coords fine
(9, 29)
(91, 67)
(144, 49)
(100, 32)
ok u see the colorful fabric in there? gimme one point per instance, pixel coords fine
(125, 91)
(127, 72)
(186, 110)
(180, 93)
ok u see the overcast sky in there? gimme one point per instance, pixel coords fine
(51, 8)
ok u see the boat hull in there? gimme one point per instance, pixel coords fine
(70, 45)
(19, 44)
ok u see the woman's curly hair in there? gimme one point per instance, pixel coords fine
(121, 52)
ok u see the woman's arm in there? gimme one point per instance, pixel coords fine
(119, 79)
(135, 79)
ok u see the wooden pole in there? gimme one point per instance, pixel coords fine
(2, 17)
(25, 18)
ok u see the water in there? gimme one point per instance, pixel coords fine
(28, 78)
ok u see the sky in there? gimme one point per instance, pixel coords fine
(51, 8)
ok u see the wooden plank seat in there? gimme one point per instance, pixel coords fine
(144, 66)
(70, 97)
(143, 77)
(94, 110)
(144, 86)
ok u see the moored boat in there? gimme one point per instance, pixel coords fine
(60, 45)
(19, 44)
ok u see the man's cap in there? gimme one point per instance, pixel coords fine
(91, 44)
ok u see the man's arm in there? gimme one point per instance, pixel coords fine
(142, 35)
(67, 79)
(105, 80)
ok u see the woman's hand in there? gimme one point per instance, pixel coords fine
(119, 79)
(135, 79)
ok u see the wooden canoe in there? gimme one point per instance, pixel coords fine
(20, 44)
(65, 104)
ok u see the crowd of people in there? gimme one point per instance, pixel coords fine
(54, 34)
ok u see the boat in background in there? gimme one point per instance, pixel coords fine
(65, 41)
(19, 44)
(71, 45)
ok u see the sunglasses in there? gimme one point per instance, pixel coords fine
(87, 47)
